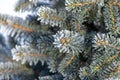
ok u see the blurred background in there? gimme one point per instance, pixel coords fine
(7, 7)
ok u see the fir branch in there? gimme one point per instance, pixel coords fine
(105, 42)
(27, 54)
(74, 4)
(104, 62)
(24, 5)
(51, 16)
(110, 71)
(111, 15)
(17, 26)
(100, 68)
(114, 74)
(19, 23)
(115, 3)
(18, 36)
(69, 42)
(9, 69)
(68, 66)
(70, 60)
(53, 77)
(81, 4)
(13, 22)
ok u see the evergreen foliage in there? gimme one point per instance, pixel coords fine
(62, 40)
